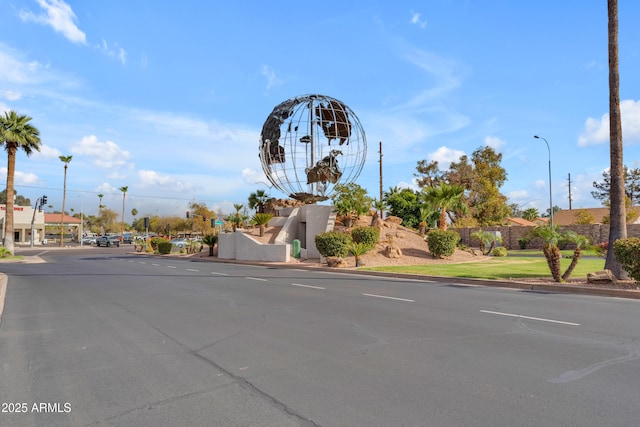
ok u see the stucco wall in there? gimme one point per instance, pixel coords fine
(241, 247)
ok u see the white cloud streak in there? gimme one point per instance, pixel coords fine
(59, 16)
(597, 130)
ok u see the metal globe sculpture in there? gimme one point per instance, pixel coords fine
(311, 143)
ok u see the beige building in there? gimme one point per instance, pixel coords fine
(23, 218)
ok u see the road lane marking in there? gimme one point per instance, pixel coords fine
(307, 286)
(387, 297)
(530, 318)
(156, 265)
(219, 274)
(257, 278)
(192, 269)
(141, 262)
(170, 266)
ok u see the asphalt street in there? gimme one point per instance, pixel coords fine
(112, 338)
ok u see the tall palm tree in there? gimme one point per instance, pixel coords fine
(618, 220)
(257, 200)
(100, 196)
(15, 133)
(65, 160)
(445, 197)
(124, 193)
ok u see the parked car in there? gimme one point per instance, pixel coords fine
(127, 238)
(89, 240)
(108, 241)
(179, 243)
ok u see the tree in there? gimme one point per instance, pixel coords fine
(350, 201)
(124, 193)
(236, 219)
(583, 217)
(134, 214)
(631, 186)
(100, 196)
(486, 240)
(429, 174)
(551, 236)
(618, 224)
(65, 160)
(19, 199)
(445, 197)
(261, 220)
(15, 133)
(404, 203)
(257, 200)
(210, 240)
(530, 214)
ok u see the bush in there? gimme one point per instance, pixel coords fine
(499, 251)
(442, 243)
(523, 242)
(366, 235)
(164, 248)
(333, 243)
(628, 254)
(601, 249)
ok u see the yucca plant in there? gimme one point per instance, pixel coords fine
(261, 219)
(358, 249)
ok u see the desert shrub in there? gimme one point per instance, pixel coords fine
(523, 242)
(601, 249)
(628, 254)
(366, 235)
(155, 241)
(333, 243)
(5, 253)
(499, 251)
(164, 248)
(442, 243)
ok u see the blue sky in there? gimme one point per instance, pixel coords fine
(168, 98)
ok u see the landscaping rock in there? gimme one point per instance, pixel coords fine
(336, 261)
(601, 277)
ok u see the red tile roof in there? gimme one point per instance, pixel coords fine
(54, 218)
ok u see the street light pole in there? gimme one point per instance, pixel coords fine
(550, 200)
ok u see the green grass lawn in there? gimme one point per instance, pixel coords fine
(498, 268)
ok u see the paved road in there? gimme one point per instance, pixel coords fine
(104, 337)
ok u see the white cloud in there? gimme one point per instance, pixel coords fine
(22, 178)
(597, 130)
(494, 142)
(58, 16)
(270, 74)
(113, 52)
(153, 179)
(444, 156)
(105, 154)
(416, 19)
(539, 184)
(47, 152)
(518, 195)
(11, 95)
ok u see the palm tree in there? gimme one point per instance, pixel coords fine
(100, 196)
(618, 221)
(124, 193)
(210, 240)
(445, 197)
(257, 200)
(15, 133)
(530, 214)
(261, 219)
(550, 237)
(65, 160)
(237, 218)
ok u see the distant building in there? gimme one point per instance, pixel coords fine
(23, 216)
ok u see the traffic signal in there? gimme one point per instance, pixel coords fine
(213, 222)
(204, 219)
(44, 200)
(187, 214)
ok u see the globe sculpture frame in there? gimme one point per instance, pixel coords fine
(296, 148)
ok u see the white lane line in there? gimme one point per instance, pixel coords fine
(141, 262)
(257, 278)
(170, 266)
(530, 318)
(156, 265)
(307, 286)
(219, 274)
(192, 269)
(386, 297)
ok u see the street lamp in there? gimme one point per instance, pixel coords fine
(550, 200)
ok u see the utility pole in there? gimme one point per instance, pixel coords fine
(569, 191)
(380, 178)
